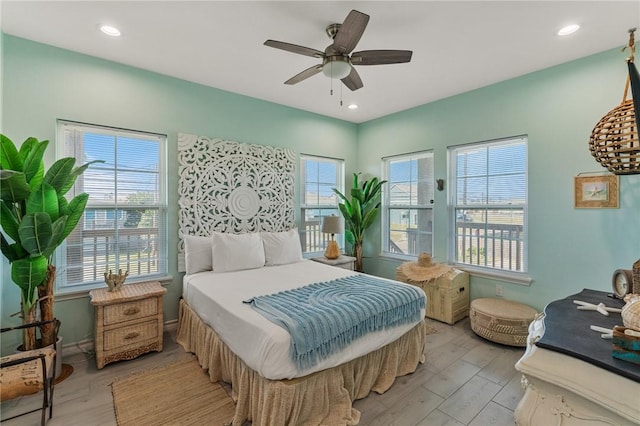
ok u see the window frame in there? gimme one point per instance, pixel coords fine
(385, 230)
(65, 148)
(332, 208)
(489, 271)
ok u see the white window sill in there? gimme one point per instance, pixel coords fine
(70, 294)
(507, 276)
(404, 258)
(397, 257)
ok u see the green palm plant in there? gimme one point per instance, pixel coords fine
(360, 212)
(35, 214)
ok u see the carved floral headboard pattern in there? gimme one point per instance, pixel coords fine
(233, 187)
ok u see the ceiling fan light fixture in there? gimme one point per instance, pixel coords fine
(336, 67)
(352, 106)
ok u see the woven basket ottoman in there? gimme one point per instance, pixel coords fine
(501, 321)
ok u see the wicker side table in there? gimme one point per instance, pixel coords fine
(128, 322)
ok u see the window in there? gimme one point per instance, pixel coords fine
(124, 225)
(318, 177)
(408, 204)
(488, 204)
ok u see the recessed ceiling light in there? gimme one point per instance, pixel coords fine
(569, 29)
(110, 31)
(352, 106)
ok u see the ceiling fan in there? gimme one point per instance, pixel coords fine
(336, 62)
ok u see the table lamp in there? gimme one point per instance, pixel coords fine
(332, 225)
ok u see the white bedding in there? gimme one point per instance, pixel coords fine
(261, 344)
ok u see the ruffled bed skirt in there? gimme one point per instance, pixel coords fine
(322, 398)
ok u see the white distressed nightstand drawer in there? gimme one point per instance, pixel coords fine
(130, 335)
(121, 312)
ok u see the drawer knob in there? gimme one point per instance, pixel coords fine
(131, 335)
(132, 311)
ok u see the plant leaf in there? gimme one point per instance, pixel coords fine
(10, 158)
(28, 273)
(57, 236)
(7, 249)
(13, 186)
(357, 194)
(75, 211)
(33, 164)
(346, 214)
(369, 218)
(340, 194)
(8, 221)
(63, 206)
(356, 217)
(44, 199)
(59, 173)
(355, 181)
(348, 235)
(35, 232)
(366, 187)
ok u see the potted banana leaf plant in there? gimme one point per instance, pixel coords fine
(37, 217)
(360, 212)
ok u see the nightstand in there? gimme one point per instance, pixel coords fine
(128, 322)
(344, 262)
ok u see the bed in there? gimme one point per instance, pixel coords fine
(230, 192)
(239, 346)
(563, 389)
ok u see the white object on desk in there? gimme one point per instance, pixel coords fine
(607, 332)
(600, 307)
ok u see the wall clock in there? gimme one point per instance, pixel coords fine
(622, 282)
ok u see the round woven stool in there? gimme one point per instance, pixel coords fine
(501, 321)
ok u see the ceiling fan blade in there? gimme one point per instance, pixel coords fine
(294, 48)
(350, 32)
(353, 81)
(304, 74)
(381, 57)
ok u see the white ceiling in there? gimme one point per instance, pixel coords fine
(457, 45)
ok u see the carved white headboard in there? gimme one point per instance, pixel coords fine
(233, 187)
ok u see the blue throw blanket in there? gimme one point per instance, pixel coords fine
(323, 318)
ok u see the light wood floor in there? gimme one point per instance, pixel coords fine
(465, 381)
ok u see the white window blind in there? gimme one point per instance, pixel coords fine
(318, 177)
(407, 225)
(488, 204)
(124, 224)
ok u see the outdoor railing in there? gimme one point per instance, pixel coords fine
(135, 249)
(312, 238)
(495, 245)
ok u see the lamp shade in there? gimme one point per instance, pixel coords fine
(332, 225)
(336, 67)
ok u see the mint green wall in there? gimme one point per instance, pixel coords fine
(557, 108)
(42, 83)
(569, 249)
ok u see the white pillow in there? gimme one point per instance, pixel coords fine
(235, 252)
(197, 254)
(281, 248)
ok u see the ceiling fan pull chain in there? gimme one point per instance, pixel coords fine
(341, 95)
(331, 85)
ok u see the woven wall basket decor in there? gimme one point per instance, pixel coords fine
(614, 140)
